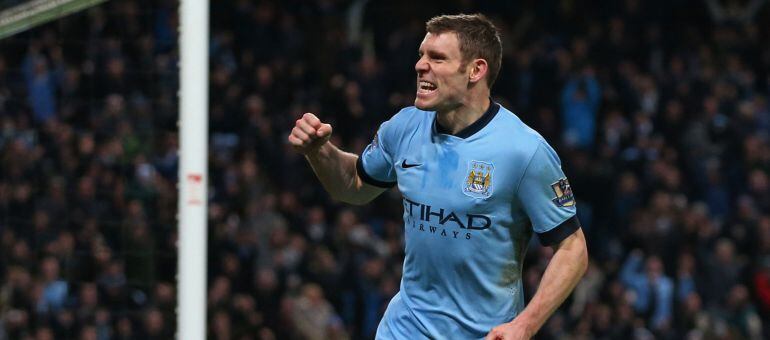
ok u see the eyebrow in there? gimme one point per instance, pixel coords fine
(438, 54)
(433, 54)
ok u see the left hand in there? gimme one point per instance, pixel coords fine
(509, 331)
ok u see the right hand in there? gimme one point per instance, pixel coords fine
(309, 134)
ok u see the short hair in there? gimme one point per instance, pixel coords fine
(478, 37)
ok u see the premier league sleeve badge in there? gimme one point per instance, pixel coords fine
(563, 191)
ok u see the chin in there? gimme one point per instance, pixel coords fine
(424, 105)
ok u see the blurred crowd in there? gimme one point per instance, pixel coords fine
(658, 109)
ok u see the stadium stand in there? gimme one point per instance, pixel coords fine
(659, 110)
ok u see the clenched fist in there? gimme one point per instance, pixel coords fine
(309, 134)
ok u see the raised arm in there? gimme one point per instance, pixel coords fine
(567, 266)
(335, 168)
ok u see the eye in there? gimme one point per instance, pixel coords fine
(437, 57)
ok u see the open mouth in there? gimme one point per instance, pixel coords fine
(425, 87)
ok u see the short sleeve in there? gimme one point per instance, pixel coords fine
(547, 198)
(375, 165)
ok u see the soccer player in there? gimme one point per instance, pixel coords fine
(476, 184)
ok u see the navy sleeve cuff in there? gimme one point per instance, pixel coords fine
(560, 232)
(368, 179)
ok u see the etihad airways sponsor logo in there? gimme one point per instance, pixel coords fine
(424, 215)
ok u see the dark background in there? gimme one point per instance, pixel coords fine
(658, 110)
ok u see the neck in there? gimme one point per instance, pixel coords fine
(463, 115)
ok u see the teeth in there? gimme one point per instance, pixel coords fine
(426, 85)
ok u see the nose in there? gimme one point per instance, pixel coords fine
(421, 66)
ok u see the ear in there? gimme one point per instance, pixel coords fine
(479, 69)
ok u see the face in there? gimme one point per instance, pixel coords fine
(442, 77)
(654, 267)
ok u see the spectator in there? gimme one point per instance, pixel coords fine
(723, 271)
(741, 313)
(314, 317)
(41, 86)
(55, 289)
(580, 104)
(653, 290)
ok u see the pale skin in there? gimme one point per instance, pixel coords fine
(457, 90)
(567, 266)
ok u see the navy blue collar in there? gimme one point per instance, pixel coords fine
(475, 126)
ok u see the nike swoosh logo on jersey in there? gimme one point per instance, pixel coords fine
(407, 166)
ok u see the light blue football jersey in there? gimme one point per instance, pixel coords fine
(471, 204)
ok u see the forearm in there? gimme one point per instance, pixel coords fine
(567, 266)
(336, 170)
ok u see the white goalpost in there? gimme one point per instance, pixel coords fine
(193, 174)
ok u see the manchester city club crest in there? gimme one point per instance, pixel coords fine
(563, 191)
(478, 181)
